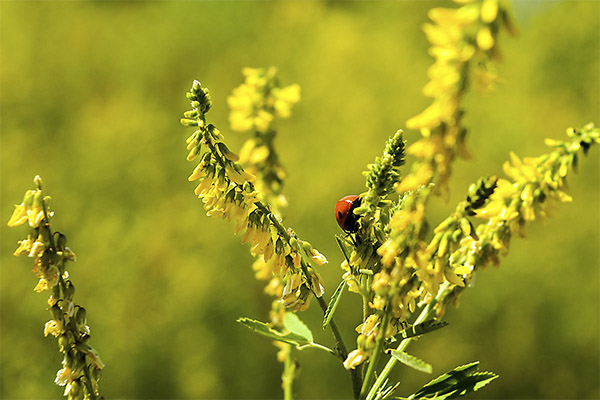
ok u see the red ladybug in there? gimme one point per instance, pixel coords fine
(344, 212)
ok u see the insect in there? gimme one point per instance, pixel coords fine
(344, 212)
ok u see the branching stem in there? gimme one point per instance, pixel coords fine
(341, 349)
(425, 313)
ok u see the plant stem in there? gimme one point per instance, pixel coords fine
(341, 349)
(425, 313)
(287, 378)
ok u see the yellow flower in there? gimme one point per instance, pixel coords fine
(24, 246)
(19, 216)
(484, 38)
(489, 11)
(53, 327)
(285, 98)
(355, 358)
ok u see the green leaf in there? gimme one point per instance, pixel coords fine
(420, 329)
(342, 243)
(333, 303)
(265, 330)
(456, 383)
(412, 361)
(292, 323)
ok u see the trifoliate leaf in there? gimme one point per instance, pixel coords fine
(456, 383)
(265, 330)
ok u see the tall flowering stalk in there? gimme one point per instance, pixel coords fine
(405, 274)
(403, 270)
(228, 191)
(254, 107)
(81, 364)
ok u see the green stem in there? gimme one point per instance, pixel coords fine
(425, 313)
(287, 378)
(376, 354)
(341, 349)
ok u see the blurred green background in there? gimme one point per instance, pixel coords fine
(91, 96)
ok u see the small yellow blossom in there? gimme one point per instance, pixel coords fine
(53, 327)
(355, 358)
(19, 216)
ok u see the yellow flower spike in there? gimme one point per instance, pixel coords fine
(484, 38)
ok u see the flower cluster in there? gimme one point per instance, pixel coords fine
(260, 99)
(413, 271)
(364, 263)
(227, 191)
(404, 270)
(254, 105)
(463, 40)
(81, 363)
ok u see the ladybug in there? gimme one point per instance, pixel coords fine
(344, 212)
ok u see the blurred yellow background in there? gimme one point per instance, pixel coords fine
(91, 96)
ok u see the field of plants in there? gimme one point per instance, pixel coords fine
(91, 96)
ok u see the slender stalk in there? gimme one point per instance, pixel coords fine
(287, 378)
(341, 350)
(425, 313)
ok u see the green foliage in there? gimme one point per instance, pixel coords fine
(333, 303)
(412, 361)
(102, 136)
(456, 383)
(297, 333)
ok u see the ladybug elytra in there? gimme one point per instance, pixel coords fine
(344, 212)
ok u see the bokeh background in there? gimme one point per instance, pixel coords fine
(91, 96)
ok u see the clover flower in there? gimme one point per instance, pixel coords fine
(463, 41)
(81, 364)
(254, 107)
(227, 191)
